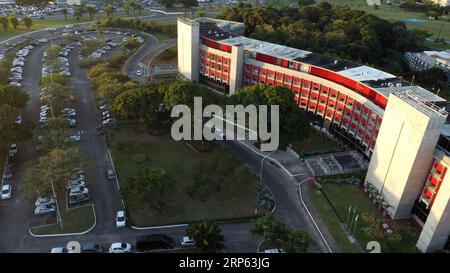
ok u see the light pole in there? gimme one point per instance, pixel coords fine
(57, 207)
(349, 212)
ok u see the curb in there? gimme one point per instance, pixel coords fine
(117, 180)
(64, 234)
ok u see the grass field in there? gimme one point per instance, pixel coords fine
(167, 56)
(342, 197)
(180, 162)
(74, 221)
(315, 142)
(388, 12)
(44, 23)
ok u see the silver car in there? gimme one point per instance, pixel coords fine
(45, 209)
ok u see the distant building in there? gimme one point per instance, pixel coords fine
(75, 2)
(443, 3)
(419, 61)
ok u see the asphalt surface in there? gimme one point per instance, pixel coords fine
(17, 213)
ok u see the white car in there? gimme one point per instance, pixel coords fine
(120, 248)
(12, 149)
(44, 209)
(45, 201)
(138, 72)
(187, 241)
(15, 84)
(120, 219)
(19, 120)
(74, 138)
(75, 184)
(42, 40)
(6, 191)
(78, 190)
(61, 250)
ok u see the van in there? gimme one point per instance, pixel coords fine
(156, 241)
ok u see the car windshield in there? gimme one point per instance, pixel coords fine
(123, 245)
(5, 191)
(121, 219)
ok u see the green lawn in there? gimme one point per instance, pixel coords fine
(44, 23)
(331, 221)
(74, 221)
(388, 12)
(162, 36)
(132, 152)
(406, 232)
(167, 56)
(314, 143)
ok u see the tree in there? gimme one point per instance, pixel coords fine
(131, 44)
(207, 236)
(138, 6)
(269, 228)
(5, 23)
(167, 3)
(109, 10)
(126, 8)
(14, 21)
(143, 104)
(79, 13)
(55, 135)
(92, 11)
(434, 78)
(188, 4)
(180, 93)
(306, 2)
(151, 186)
(28, 22)
(293, 124)
(297, 241)
(56, 167)
(64, 12)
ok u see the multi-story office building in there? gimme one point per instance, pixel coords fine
(419, 61)
(400, 126)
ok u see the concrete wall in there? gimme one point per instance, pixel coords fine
(403, 153)
(188, 40)
(436, 229)
(236, 68)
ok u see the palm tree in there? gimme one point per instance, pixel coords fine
(64, 12)
(139, 8)
(109, 10)
(207, 236)
(91, 11)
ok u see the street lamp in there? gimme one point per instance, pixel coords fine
(57, 207)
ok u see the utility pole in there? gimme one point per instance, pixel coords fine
(57, 207)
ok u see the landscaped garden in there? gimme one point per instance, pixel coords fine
(368, 227)
(207, 185)
(315, 143)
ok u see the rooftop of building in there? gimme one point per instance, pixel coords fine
(229, 32)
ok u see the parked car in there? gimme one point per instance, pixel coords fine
(45, 209)
(75, 183)
(155, 241)
(61, 250)
(45, 201)
(274, 250)
(78, 190)
(109, 121)
(6, 192)
(12, 149)
(187, 241)
(120, 248)
(79, 198)
(110, 174)
(120, 219)
(7, 174)
(92, 248)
